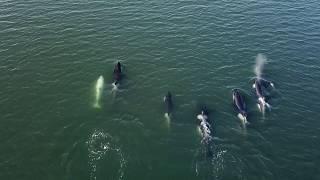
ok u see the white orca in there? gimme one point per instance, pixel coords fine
(99, 90)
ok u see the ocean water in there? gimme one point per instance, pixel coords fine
(53, 52)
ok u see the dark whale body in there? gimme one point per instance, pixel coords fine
(117, 73)
(168, 103)
(239, 102)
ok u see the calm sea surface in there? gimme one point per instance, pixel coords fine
(52, 53)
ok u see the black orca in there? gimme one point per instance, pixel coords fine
(117, 73)
(240, 105)
(168, 103)
(258, 86)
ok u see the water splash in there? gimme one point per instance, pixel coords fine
(115, 86)
(210, 167)
(206, 132)
(203, 156)
(205, 128)
(261, 60)
(100, 145)
(114, 90)
(218, 164)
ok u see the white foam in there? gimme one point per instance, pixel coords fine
(213, 166)
(99, 145)
(205, 128)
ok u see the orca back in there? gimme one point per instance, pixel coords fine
(117, 72)
(258, 88)
(168, 102)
